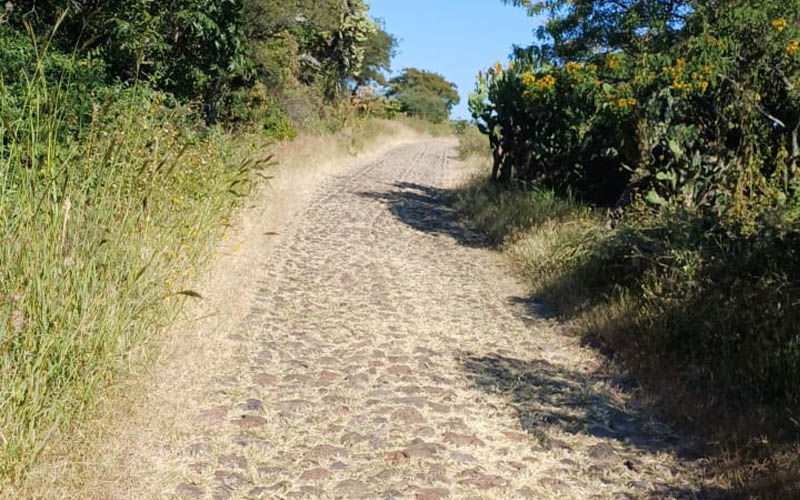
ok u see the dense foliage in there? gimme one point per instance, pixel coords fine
(691, 102)
(424, 94)
(231, 56)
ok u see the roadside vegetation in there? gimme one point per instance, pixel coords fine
(130, 132)
(641, 168)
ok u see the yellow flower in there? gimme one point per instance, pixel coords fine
(573, 67)
(546, 82)
(632, 101)
(498, 68)
(708, 69)
(793, 47)
(175, 201)
(704, 86)
(780, 24)
(682, 86)
(528, 79)
(612, 62)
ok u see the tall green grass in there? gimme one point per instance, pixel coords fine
(103, 219)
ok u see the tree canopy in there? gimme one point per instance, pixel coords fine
(212, 49)
(425, 94)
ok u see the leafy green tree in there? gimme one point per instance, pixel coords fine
(380, 49)
(424, 94)
(189, 47)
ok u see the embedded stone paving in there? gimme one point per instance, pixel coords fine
(388, 354)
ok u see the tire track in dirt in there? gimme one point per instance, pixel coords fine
(388, 354)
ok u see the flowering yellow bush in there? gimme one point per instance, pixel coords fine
(546, 83)
(573, 67)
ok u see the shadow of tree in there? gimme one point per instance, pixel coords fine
(426, 209)
(548, 396)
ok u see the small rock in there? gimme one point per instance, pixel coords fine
(432, 494)
(249, 422)
(214, 414)
(422, 450)
(516, 437)
(351, 485)
(409, 389)
(552, 484)
(400, 370)
(199, 467)
(462, 439)
(222, 493)
(233, 460)
(231, 480)
(338, 466)
(257, 492)
(246, 440)
(324, 451)
(351, 438)
(315, 475)
(414, 401)
(294, 405)
(251, 405)
(328, 377)
(570, 463)
(396, 457)
(479, 480)
(602, 451)
(557, 444)
(187, 490)
(462, 458)
(408, 416)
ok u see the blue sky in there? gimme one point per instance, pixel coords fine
(455, 38)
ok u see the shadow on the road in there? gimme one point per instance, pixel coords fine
(547, 396)
(426, 209)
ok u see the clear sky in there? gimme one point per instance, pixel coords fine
(456, 38)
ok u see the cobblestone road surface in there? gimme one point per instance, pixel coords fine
(388, 354)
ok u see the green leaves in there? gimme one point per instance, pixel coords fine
(424, 94)
(698, 98)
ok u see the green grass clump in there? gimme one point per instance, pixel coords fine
(103, 218)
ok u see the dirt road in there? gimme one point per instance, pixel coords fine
(386, 353)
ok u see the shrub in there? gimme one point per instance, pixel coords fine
(694, 105)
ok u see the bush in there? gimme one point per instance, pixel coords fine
(111, 198)
(701, 112)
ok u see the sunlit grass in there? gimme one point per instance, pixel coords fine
(99, 230)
